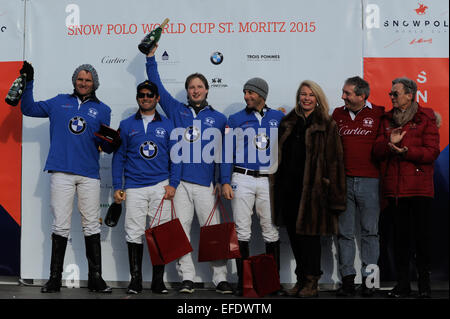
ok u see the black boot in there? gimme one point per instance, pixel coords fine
(243, 248)
(59, 245)
(158, 280)
(94, 257)
(348, 287)
(403, 287)
(135, 252)
(366, 291)
(273, 248)
(424, 285)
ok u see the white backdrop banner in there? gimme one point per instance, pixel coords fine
(406, 28)
(283, 42)
(11, 30)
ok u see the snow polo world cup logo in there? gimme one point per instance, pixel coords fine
(77, 125)
(148, 150)
(261, 141)
(191, 134)
(421, 10)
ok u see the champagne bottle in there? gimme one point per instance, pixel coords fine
(17, 88)
(149, 41)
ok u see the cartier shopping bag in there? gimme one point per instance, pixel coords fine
(218, 241)
(166, 242)
(260, 276)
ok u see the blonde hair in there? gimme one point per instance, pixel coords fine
(438, 119)
(322, 101)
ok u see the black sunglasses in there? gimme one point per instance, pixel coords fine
(149, 95)
(394, 94)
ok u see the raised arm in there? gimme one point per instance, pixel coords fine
(168, 103)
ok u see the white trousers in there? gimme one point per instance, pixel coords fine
(252, 192)
(143, 202)
(63, 187)
(190, 197)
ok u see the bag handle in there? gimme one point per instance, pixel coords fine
(159, 211)
(221, 209)
(172, 210)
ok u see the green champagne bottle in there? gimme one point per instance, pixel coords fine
(16, 91)
(149, 41)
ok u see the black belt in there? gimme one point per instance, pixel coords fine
(249, 172)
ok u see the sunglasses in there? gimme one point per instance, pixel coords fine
(149, 95)
(393, 94)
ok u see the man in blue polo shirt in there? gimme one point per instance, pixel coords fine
(73, 162)
(252, 135)
(196, 190)
(144, 160)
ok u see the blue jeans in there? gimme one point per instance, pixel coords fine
(362, 198)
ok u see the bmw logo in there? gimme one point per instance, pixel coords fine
(261, 141)
(191, 134)
(77, 125)
(148, 150)
(216, 58)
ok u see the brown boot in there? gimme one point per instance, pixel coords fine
(311, 287)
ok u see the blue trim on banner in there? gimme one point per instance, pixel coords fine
(10, 243)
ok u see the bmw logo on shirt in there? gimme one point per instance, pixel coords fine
(191, 134)
(261, 141)
(148, 150)
(77, 125)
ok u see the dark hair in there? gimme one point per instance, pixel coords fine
(409, 85)
(199, 76)
(361, 86)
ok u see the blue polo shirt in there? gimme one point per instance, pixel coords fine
(198, 136)
(251, 135)
(73, 145)
(143, 158)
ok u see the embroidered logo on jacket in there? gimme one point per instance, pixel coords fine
(209, 121)
(148, 150)
(92, 112)
(133, 132)
(273, 123)
(160, 132)
(77, 125)
(261, 141)
(368, 122)
(191, 134)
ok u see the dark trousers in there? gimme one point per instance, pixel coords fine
(307, 251)
(412, 218)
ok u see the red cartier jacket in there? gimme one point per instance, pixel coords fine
(410, 174)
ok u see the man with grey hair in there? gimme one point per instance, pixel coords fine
(73, 164)
(245, 180)
(407, 146)
(358, 121)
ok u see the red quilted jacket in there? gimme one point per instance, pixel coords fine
(410, 174)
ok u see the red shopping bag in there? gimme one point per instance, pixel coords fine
(260, 276)
(248, 289)
(218, 241)
(166, 242)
